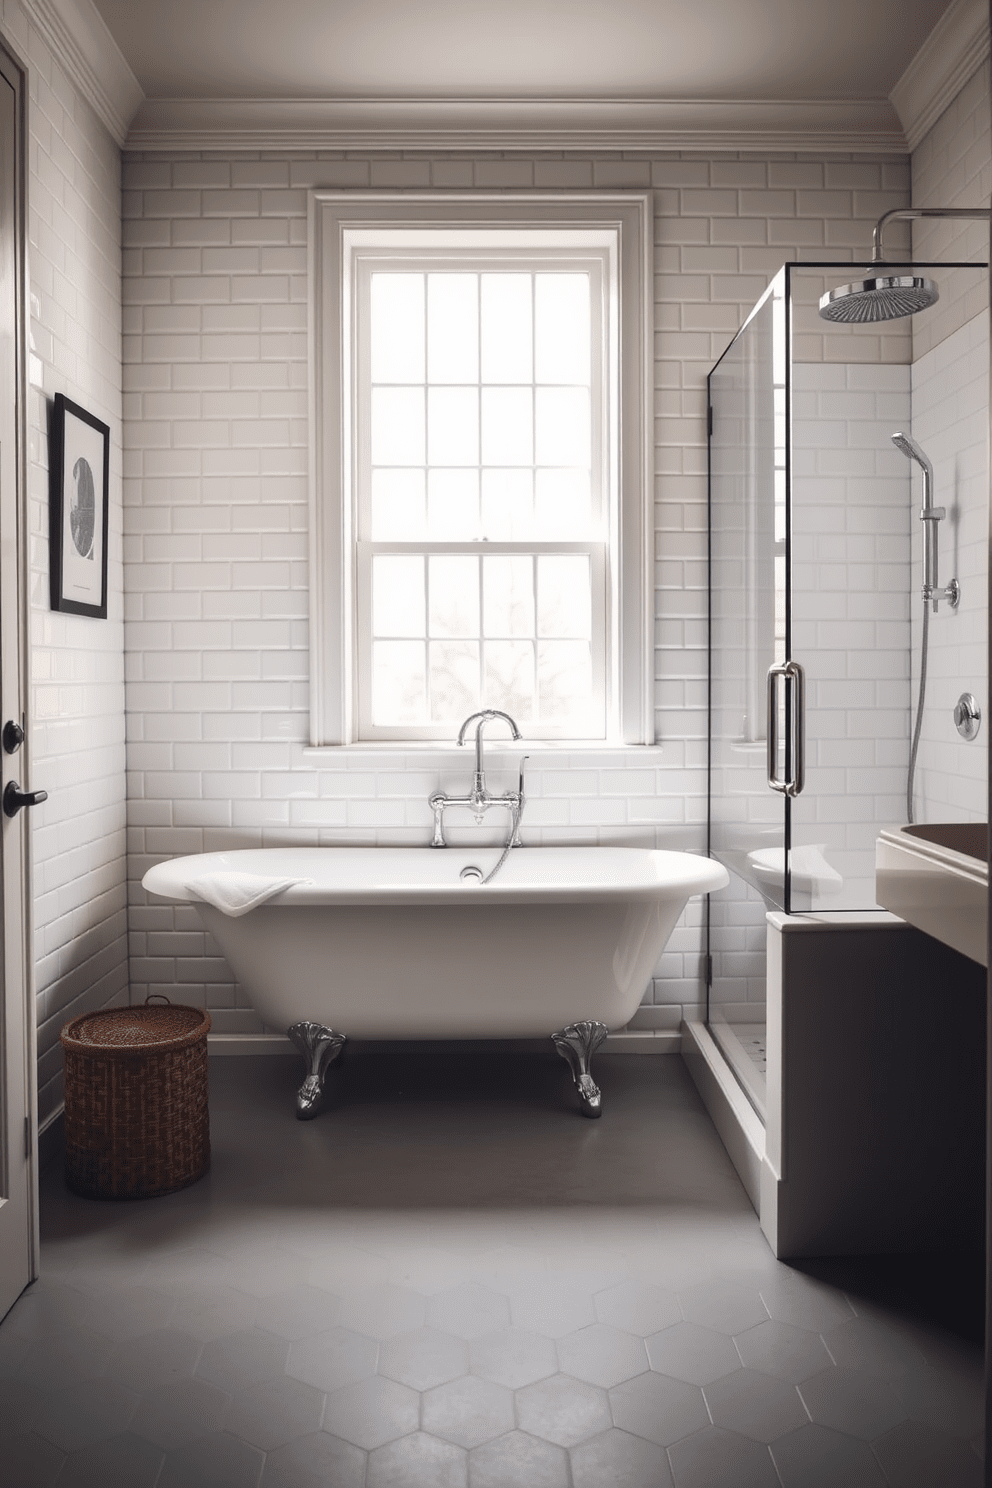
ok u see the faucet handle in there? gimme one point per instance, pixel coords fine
(520, 783)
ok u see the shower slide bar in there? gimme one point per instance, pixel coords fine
(794, 679)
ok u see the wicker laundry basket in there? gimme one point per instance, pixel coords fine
(136, 1118)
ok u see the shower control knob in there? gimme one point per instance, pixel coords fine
(967, 716)
(14, 798)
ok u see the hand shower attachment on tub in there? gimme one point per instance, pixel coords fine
(930, 515)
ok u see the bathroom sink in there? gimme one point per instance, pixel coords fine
(935, 876)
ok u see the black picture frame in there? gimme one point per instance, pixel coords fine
(78, 509)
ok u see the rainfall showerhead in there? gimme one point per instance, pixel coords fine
(885, 297)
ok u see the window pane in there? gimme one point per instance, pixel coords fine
(506, 328)
(398, 511)
(454, 596)
(507, 426)
(453, 505)
(399, 691)
(452, 328)
(453, 426)
(507, 504)
(508, 597)
(561, 328)
(397, 596)
(562, 506)
(564, 682)
(563, 426)
(454, 680)
(509, 678)
(564, 596)
(397, 426)
(397, 327)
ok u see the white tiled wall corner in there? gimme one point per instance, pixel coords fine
(76, 664)
(951, 422)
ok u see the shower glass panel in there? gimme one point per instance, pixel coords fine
(814, 559)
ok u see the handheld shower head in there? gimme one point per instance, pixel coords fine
(909, 447)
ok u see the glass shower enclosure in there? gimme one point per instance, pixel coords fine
(812, 598)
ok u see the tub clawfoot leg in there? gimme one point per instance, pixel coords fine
(577, 1044)
(320, 1047)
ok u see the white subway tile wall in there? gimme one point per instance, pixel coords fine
(216, 514)
(76, 707)
(951, 424)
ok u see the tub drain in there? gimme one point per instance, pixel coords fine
(471, 874)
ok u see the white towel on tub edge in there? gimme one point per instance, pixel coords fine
(235, 894)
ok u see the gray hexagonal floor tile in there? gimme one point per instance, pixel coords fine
(61, 1362)
(793, 1298)
(382, 1311)
(945, 1400)
(267, 1270)
(755, 1404)
(519, 1461)
(241, 1359)
(468, 1311)
(852, 1403)
(719, 1459)
(418, 1461)
(154, 1359)
(780, 1349)
(333, 1359)
(658, 1408)
(723, 1306)
(562, 1410)
(272, 1414)
(372, 1412)
(873, 1347)
(552, 1310)
(175, 1414)
(19, 1406)
(31, 1462)
(211, 1312)
(513, 1357)
(298, 1312)
(620, 1460)
(602, 1355)
(916, 1456)
(315, 1461)
(816, 1457)
(92, 1411)
(222, 1461)
(423, 1358)
(468, 1411)
(637, 1307)
(690, 1352)
(121, 1460)
(130, 1312)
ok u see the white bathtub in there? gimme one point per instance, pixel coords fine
(390, 943)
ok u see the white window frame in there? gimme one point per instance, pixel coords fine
(343, 226)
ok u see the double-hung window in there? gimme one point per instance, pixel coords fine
(480, 466)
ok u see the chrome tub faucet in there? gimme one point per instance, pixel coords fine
(478, 799)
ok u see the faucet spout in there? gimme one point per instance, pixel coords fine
(479, 783)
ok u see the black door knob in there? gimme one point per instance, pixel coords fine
(12, 736)
(14, 798)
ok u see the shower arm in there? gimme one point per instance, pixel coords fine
(965, 214)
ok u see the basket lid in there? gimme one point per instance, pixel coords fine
(139, 1027)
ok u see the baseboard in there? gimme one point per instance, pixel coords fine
(51, 1138)
(636, 1041)
(730, 1110)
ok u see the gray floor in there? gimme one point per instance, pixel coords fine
(450, 1278)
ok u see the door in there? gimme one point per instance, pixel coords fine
(18, 1186)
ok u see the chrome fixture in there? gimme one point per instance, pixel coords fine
(930, 515)
(320, 1047)
(889, 296)
(967, 716)
(478, 800)
(577, 1044)
(794, 678)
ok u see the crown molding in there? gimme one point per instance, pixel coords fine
(78, 36)
(847, 125)
(952, 53)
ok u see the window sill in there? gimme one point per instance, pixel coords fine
(554, 751)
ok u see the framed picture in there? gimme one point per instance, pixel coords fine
(79, 447)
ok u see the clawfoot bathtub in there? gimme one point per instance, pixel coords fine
(407, 943)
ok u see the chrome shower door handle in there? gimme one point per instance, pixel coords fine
(795, 718)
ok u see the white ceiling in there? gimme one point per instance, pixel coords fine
(648, 49)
